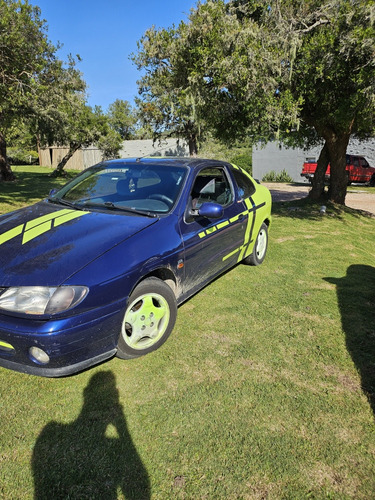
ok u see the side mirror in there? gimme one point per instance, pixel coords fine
(211, 210)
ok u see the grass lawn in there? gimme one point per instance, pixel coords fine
(265, 389)
(33, 183)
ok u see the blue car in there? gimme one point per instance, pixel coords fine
(98, 269)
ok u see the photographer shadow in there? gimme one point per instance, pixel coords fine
(92, 457)
(356, 299)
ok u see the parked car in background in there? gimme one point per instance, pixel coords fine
(357, 169)
(99, 268)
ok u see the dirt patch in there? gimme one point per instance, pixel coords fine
(359, 200)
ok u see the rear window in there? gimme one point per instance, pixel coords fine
(246, 187)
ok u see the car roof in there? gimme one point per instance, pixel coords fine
(194, 163)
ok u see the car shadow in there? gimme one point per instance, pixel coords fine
(356, 299)
(93, 456)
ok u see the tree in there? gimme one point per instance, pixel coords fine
(270, 70)
(29, 71)
(324, 56)
(332, 72)
(83, 126)
(169, 102)
(198, 78)
(122, 119)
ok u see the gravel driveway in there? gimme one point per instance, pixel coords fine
(288, 192)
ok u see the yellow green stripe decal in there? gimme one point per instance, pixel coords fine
(244, 248)
(248, 230)
(36, 231)
(36, 227)
(12, 233)
(67, 218)
(5, 345)
(44, 218)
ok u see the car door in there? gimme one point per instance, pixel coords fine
(211, 245)
(364, 173)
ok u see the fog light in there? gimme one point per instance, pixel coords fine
(38, 355)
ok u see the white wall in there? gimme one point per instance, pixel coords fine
(276, 157)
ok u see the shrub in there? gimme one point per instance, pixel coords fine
(272, 176)
(18, 156)
(239, 155)
(244, 161)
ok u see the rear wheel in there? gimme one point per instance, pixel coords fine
(258, 254)
(372, 180)
(148, 320)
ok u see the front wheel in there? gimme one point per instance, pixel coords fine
(148, 320)
(372, 181)
(258, 254)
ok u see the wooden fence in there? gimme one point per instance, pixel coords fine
(85, 157)
(81, 159)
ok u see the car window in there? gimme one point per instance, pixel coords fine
(363, 163)
(246, 187)
(211, 184)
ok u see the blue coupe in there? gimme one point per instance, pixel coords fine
(99, 268)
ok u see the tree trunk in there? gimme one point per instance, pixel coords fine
(190, 134)
(317, 190)
(60, 167)
(193, 147)
(337, 145)
(6, 173)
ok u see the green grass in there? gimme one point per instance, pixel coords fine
(32, 183)
(363, 188)
(264, 389)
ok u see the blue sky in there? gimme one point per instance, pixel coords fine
(104, 33)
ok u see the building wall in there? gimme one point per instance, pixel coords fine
(274, 156)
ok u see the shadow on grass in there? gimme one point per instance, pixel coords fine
(92, 457)
(356, 298)
(304, 208)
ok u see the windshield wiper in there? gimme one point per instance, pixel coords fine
(113, 206)
(67, 203)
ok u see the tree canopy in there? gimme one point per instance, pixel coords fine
(32, 79)
(169, 102)
(43, 92)
(122, 118)
(301, 70)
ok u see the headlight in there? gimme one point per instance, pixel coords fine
(41, 299)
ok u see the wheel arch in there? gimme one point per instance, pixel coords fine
(267, 222)
(163, 273)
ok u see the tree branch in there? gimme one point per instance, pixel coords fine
(315, 25)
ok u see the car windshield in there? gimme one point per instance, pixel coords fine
(151, 188)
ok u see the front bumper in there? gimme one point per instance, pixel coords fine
(72, 344)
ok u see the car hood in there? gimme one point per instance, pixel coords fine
(45, 244)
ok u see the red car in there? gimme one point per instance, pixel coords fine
(357, 168)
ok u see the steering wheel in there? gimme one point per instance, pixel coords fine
(161, 197)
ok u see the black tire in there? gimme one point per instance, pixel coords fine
(148, 320)
(258, 254)
(372, 181)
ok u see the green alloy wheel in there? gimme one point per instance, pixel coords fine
(148, 320)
